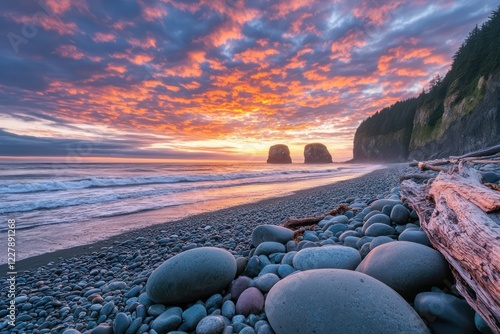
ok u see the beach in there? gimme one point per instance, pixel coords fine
(102, 287)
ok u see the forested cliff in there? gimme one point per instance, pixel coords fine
(459, 113)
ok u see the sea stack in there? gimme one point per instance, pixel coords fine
(317, 154)
(279, 154)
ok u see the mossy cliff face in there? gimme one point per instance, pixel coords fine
(466, 124)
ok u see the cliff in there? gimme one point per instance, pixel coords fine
(467, 124)
(458, 114)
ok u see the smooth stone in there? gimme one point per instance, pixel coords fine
(288, 258)
(121, 323)
(481, 325)
(380, 241)
(228, 309)
(415, 236)
(284, 270)
(378, 230)
(241, 264)
(156, 309)
(445, 313)
(407, 267)
(400, 214)
(191, 275)
(337, 228)
(376, 219)
(340, 257)
(239, 285)
(192, 316)
(363, 240)
(380, 203)
(291, 246)
(364, 250)
(251, 301)
(71, 331)
(265, 282)
(347, 234)
(370, 214)
(247, 330)
(253, 267)
(490, 177)
(211, 325)
(326, 301)
(351, 241)
(214, 302)
(263, 233)
(270, 269)
(269, 247)
(170, 320)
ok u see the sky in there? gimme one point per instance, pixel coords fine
(213, 79)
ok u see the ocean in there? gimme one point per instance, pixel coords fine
(57, 206)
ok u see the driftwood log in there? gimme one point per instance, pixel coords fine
(462, 219)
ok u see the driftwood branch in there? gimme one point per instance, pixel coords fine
(416, 177)
(429, 166)
(484, 152)
(298, 222)
(462, 220)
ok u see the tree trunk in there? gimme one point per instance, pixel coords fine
(462, 219)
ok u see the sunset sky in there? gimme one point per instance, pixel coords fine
(213, 79)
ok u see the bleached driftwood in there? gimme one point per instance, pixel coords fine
(484, 152)
(462, 219)
(431, 166)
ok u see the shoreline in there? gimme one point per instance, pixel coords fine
(35, 262)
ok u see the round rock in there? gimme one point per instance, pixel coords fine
(263, 233)
(379, 218)
(251, 301)
(326, 301)
(445, 313)
(191, 275)
(340, 257)
(378, 230)
(413, 235)
(400, 214)
(407, 267)
(211, 325)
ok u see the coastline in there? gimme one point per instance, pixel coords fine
(373, 183)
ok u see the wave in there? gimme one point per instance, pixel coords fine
(104, 182)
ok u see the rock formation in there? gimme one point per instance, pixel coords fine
(317, 154)
(279, 154)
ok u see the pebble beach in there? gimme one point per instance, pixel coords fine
(368, 270)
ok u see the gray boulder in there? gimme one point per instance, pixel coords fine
(191, 275)
(326, 301)
(279, 154)
(445, 313)
(317, 154)
(339, 257)
(407, 267)
(263, 233)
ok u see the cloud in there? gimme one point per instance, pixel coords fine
(231, 70)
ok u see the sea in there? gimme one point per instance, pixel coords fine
(61, 205)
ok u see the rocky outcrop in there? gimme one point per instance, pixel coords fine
(279, 154)
(467, 125)
(317, 154)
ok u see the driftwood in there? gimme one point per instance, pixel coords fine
(462, 219)
(484, 152)
(416, 177)
(308, 221)
(430, 166)
(298, 222)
